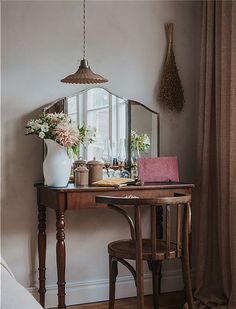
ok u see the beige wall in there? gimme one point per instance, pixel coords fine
(42, 43)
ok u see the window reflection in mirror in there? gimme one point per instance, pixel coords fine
(106, 112)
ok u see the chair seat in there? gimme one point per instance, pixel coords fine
(125, 249)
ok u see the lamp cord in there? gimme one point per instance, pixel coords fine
(84, 42)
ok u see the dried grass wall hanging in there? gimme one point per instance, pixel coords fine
(171, 92)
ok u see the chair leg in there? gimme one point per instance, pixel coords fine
(159, 277)
(113, 271)
(140, 285)
(187, 281)
(156, 266)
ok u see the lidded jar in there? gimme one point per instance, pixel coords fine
(81, 176)
(77, 163)
(95, 170)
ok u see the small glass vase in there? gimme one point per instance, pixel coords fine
(107, 157)
(135, 155)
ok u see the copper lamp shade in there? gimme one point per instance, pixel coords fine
(84, 75)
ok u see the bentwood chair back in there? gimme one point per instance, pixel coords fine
(154, 249)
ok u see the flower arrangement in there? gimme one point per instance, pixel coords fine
(60, 128)
(87, 134)
(139, 142)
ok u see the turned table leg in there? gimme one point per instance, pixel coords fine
(61, 257)
(42, 252)
(159, 222)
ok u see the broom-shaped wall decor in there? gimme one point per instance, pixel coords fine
(171, 91)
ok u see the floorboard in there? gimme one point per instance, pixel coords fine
(172, 300)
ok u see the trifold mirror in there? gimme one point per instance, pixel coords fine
(124, 128)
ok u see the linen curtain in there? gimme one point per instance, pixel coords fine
(215, 268)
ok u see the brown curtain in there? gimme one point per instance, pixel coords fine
(216, 219)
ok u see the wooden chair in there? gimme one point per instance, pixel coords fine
(153, 250)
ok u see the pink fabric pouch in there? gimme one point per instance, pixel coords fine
(159, 169)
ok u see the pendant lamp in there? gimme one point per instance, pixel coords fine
(84, 75)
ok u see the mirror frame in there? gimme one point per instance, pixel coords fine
(58, 106)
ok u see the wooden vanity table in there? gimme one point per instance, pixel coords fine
(75, 198)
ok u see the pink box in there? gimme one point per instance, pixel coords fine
(160, 169)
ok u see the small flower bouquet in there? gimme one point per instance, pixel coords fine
(139, 142)
(60, 128)
(87, 134)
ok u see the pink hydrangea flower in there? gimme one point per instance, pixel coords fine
(66, 135)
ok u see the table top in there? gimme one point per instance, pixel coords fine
(71, 187)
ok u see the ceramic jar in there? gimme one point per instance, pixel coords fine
(95, 170)
(81, 176)
(77, 163)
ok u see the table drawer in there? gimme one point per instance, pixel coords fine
(87, 199)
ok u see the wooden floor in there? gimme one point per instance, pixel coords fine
(173, 300)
